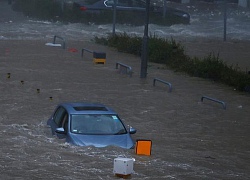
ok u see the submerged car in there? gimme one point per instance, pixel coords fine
(138, 6)
(90, 124)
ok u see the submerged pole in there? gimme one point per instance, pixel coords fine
(225, 20)
(114, 17)
(144, 56)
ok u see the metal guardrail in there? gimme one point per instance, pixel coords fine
(128, 68)
(214, 100)
(87, 51)
(54, 41)
(164, 82)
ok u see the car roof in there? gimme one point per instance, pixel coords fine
(86, 108)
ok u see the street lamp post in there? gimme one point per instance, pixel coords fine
(225, 20)
(114, 16)
(144, 55)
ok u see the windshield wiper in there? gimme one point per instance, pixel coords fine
(122, 131)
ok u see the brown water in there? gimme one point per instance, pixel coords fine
(191, 139)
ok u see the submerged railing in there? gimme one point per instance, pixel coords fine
(84, 49)
(128, 68)
(164, 82)
(58, 37)
(214, 100)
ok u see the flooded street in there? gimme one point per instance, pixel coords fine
(191, 139)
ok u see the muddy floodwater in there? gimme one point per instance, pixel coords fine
(191, 139)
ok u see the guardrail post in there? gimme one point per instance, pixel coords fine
(128, 68)
(164, 82)
(214, 100)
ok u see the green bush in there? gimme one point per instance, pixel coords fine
(172, 54)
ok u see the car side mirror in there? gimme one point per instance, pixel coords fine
(132, 130)
(60, 130)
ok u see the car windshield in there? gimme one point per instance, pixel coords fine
(97, 124)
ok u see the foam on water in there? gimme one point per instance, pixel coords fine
(29, 138)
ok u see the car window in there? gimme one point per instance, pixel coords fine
(97, 124)
(109, 3)
(139, 4)
(58, 116)
(91, 1)
(125, 3)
